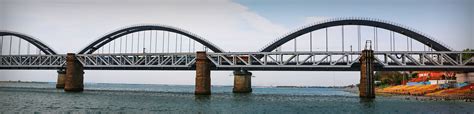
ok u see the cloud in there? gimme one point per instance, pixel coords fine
(472, 25)
(77, 23)
(2, 12)
(260, 23)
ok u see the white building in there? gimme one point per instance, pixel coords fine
(434, 82)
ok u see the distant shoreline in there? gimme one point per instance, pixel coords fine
(22, 82)
(310, 86)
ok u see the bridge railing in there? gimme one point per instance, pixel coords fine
(385, 59)
(137, 60)
(434, 59)
(284, 59)
(397, 60)
(32, 61)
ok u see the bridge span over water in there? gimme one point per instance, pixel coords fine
(161, 47)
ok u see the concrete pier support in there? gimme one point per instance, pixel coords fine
(203, 74)
(366, 87)
(242, 81)
(61, 79)
(74, 81)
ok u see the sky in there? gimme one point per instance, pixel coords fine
(234, 25)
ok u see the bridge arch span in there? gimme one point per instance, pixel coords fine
(412, 33)
(138, 28)
(37, 43)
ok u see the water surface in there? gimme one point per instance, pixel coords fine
(142, 98)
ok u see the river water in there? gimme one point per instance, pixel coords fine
(142, 98)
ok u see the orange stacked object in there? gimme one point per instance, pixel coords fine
(464, 91)
(423, 90)
(410, 90)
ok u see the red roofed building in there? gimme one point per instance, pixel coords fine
(434, 77)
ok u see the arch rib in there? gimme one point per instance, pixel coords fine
(124, 31)
(412, 33)
(40, 45)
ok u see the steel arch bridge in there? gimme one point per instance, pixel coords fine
(33, 54)
(92, 59)
(411, 33)
(265, 59)
(40, 45)
(128, 30)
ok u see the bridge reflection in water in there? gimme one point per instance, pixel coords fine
(161, 47)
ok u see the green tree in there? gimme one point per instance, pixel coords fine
(414, 75)
(390, 77)
(467, 56)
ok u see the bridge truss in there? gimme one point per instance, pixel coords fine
(264, 61)
(342, 61)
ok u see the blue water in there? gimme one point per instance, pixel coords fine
(141, 98)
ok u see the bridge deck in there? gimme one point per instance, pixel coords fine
(257, 61)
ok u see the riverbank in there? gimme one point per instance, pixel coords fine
(431, 92)
(19, 81)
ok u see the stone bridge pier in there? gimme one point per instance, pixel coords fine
(74, 79)
(242, 81)
(366, 86)
(61, 78)
(203, 74)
